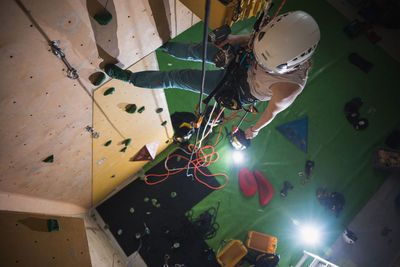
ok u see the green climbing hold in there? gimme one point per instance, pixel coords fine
(154, 201)
(103, 18)
(130, 108)
(167, 142)
(108, 143)
(52, 225)
(146, 199)
(99, 79)
(173, 194)
(49, 159)
(141, 109)
(158, 205)
(164, 123)
(159, 110)
(124, 149)
(109, 91)
(128, 141)
(176, 245)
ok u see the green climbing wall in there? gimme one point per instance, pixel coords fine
(342, 155)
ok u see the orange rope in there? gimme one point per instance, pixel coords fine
(202, 159)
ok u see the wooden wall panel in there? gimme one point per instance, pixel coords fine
(142, 128)
(26, 241)
(43, 112)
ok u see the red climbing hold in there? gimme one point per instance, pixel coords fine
(247, 182)
(266, 191)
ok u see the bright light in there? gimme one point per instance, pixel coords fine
(237, 156)
(309, 234)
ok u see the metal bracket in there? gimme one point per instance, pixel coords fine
(91, 130)
(71, 72)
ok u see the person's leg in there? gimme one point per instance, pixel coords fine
(186, 79)
(189, 51)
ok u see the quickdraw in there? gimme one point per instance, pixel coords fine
(71, 72)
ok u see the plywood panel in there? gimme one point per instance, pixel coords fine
(26, 241)
(45, 113)
(142, 128)
(42, 111)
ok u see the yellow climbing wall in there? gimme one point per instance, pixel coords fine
(111, 166)
(43, 112)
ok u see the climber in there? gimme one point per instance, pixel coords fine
(281, 52)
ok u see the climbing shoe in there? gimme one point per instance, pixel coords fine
(117, 73)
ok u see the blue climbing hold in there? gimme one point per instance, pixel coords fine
(297, 132)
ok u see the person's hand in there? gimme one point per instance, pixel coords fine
(250, 133)
(230, 39)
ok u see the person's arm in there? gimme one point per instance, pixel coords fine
(283, 95)
(235, 40)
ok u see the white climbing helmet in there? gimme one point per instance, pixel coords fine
(286, 42)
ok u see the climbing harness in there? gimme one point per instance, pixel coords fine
(71, 72)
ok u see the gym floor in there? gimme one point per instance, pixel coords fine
(342, 155)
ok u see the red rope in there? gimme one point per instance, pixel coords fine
(279, 9)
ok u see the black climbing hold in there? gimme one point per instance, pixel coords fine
(124, 149)
(128, 141)
(131, 108)
(108, 143)
(164, 123)
(97, 78)
(159, 110)
(52, 225)
(360, 62)
(103, 18)
(49, 159)
(167, 141)
(109, 91)
(113, 176)
(141, 109)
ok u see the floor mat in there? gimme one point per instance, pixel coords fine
(161, 208)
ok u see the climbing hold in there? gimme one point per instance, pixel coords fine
(159, 110)
(154, 201)
(131, 210)
(130, 108)
(176, 245)
(148, 212)
(141, 109)
(173, 194)
(106, 227)
(49, 159)
(158, 205)
(124, 149)
(108, 143)
(109, 91)
(103, 18)
(52, 225)
(146, 199)
(119, 232)
(164, 123)
(167, 141)
(128, 141)
(97, 78)
(113, 176)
